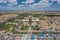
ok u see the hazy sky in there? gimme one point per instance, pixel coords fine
(30, 5)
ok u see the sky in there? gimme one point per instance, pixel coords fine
(30, 5)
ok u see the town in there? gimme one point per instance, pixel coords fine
(30, 26)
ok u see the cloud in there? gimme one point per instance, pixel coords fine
(35, 6)
(12, 2)
(42, 3)
(23, 2)
(58, 1)
(29, 1)
(53, 0)
(3, 1)
(31, 5)
(44, 0)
